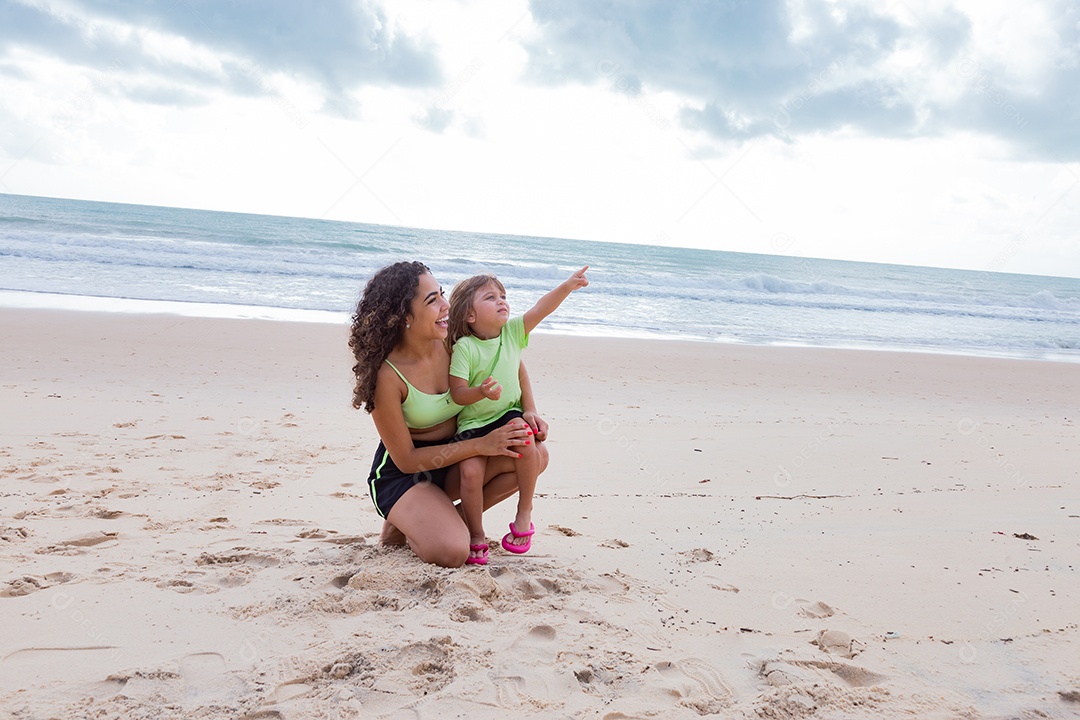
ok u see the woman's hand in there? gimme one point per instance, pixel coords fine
(503, 440)
(537, 424)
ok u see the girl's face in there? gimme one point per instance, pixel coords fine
(429, 315)
(489, 312)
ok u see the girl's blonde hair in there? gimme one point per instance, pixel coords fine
(461, 302)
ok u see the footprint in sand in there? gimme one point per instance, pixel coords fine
(13, 534)
(697, 683)
(526, 672)
(288, 691)
(697, 555)
(816, 610)
(645, 591)
(532, 585)
(28, 584)
(91, 540)
(252, 559)
(286, 522)
(27, 667)
(356, 666)
(75, 545)
(475, 587)
(207, 681)
(838, 643)
(180, 585)
(467, 613)
(346, 540)
(610, 587)
(420, 668)
(235, 569)
(724, 587)
(779, 672)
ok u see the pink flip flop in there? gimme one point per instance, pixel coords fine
(518, 549)
(482, 560)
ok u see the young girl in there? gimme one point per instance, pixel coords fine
(487, 346)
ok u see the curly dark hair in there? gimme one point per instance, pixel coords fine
(379, 323)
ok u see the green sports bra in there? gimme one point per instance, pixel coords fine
(423, 410)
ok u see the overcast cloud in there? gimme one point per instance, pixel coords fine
(180, 47)
(775, 68)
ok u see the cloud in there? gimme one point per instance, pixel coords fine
(13, 71)
(164, 95)
(434, 118)
(789, 68)
(337, 44)
(1037, 110)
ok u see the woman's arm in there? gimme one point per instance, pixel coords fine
(390, 424)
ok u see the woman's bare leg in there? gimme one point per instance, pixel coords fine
(390, 535)
(430, 522)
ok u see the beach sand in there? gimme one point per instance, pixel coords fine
(741, 531)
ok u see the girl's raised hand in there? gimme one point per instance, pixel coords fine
(578, 279)
(503, 440)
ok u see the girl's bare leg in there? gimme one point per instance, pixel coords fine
(500, 478)
(527, 468)
(472, 501)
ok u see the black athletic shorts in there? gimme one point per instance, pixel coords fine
(387, 483)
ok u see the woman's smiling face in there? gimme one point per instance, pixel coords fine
(428, 316)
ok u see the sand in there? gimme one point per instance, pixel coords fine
(724, 530)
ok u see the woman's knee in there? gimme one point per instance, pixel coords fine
(448, 555)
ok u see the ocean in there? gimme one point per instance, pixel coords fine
(107, 256)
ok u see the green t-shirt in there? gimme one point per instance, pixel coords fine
(475, 359)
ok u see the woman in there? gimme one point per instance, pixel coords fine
(402, 378)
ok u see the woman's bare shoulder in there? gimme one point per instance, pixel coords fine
(387, 380)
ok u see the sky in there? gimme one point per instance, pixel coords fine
(922, 132)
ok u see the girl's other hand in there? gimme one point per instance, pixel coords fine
(537, 424)
(491, 389)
